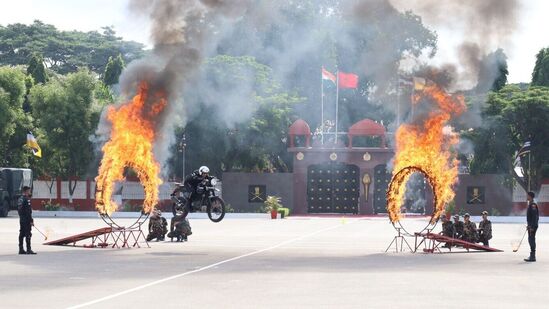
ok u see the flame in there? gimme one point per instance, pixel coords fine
(425, 147)
(130, 145)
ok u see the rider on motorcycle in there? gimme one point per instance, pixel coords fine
(190, 185)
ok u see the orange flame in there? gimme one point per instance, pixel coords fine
(130, 145)
(425, 147)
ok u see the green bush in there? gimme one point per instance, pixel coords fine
(284, 210)
(49, 206)
(272, 203)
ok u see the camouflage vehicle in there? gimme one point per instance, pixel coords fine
(12, 181)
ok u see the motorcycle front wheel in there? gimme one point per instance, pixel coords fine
(216, 209)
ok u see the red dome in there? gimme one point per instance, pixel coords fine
(366, 127)
(299, 127)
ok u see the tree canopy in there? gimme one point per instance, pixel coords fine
(36, 69)
(514, 116)
(64, 51)
(244, 132)
(540, 75)
(67, 112)
(12, 96)
(113, 70)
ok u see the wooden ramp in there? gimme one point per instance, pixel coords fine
(104, 237)
(433, 241)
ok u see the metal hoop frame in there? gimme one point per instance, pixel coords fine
(396, 181)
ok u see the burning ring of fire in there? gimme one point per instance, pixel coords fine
(131, 145)
(425, 146)
(398, 185)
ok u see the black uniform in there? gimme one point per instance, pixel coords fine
(190, 185)
(532, 218)
(25, 223)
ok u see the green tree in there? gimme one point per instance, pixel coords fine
(242, 120)
(36, 69)
(67, 112)
(12, 96)
(514, 116)
(540, 75)
(501, 69)
(64, 51)
(113, 70)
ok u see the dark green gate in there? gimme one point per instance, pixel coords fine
(381, 183)
(333, 188)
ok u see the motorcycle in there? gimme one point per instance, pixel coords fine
(206, 199)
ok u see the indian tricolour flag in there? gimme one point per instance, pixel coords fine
(328, 76)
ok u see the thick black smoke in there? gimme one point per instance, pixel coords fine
(186, 32)
(183, 31)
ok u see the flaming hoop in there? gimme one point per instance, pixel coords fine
(131, 145)
(425, 147)
(397, 185)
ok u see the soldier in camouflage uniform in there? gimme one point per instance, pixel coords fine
(458, 227)
(447, 229)
(179, 227)
(158, 226)
(470, 233)
(447, 226)
(485, 229)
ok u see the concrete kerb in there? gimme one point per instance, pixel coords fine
(131, 215)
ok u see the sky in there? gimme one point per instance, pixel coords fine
(84, 15)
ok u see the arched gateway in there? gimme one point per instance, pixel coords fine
(339, 177)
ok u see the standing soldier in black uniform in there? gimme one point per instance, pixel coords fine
(532, 218)
(25, 220)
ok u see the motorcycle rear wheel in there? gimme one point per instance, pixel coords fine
(216, 209)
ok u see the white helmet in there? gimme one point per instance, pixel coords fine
(203, 169)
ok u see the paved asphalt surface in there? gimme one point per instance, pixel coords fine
(262, 263)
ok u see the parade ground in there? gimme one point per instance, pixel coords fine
(303, 262)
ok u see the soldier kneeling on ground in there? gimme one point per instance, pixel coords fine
(458, 227)
(470, 233)
(180, 227)
(447, 226)
(485, 229)
(158, 226)
(447, 229)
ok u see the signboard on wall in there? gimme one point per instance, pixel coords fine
(475, 195)
(257, 193)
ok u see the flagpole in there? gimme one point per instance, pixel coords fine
(337, 105)
(321, 108)
(398, 104)
(412, 100)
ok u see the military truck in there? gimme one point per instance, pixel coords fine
(12, 180)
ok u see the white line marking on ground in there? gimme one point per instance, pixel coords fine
(204, 268)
